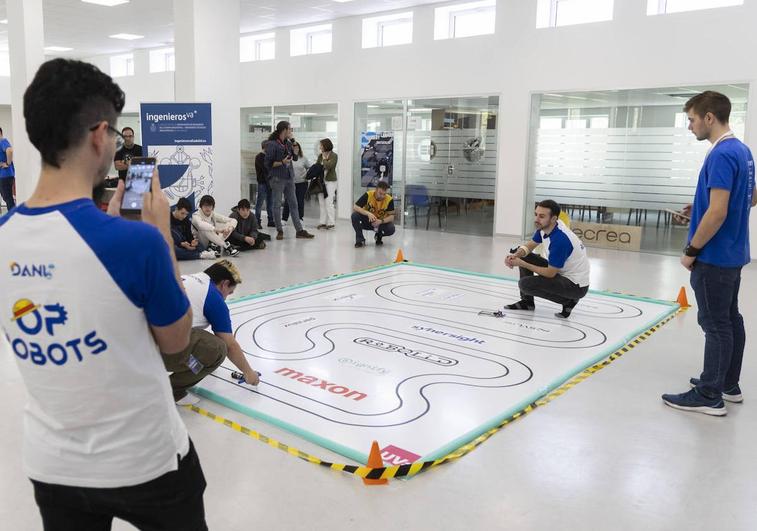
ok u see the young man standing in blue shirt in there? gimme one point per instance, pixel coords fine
(7, 172)
(717, 250)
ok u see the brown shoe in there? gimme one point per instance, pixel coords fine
(321, 226)
(329, 226)
(304, 234)
(280, 235)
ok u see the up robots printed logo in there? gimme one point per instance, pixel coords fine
(32, 271)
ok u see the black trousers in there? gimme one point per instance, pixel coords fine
(6, 191)
(361, 223)
(556, 289)
(171, 502)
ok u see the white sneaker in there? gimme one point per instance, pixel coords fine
(207, 255)
(188, 400)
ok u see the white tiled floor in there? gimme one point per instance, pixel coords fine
(608, 455)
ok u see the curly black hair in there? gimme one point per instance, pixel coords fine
(64, 100)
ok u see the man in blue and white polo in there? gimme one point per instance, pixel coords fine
(562, 274)
(207, 293)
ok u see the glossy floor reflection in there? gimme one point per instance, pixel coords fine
(607, 455)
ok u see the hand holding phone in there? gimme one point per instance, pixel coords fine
(138, 182)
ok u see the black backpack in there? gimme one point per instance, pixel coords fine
(315, 171)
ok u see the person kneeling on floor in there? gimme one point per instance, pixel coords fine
(207, 293)
(374, 211)
(562, 275)
(246, 235)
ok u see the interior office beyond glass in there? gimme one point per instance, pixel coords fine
(623, 158)
(439, 155)
(311, 124)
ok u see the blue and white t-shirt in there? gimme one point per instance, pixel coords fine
(78, 292)
(564, 250)
(208, 307)
(729, 166)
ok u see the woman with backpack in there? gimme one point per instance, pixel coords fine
(329, 160)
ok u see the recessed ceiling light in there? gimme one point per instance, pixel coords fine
(4, 21)
(107, 3)
(57, 49)
(342, 1)
(126, 36)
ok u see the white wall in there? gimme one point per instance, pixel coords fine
(633, 51)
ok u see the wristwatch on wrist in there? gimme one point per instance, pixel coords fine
(691, 251)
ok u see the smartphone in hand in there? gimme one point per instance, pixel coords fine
(138, 182)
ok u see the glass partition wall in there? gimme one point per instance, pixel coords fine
(621, 161)
(443, 160)
(311, 124)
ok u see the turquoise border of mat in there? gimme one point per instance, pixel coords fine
(467, 437)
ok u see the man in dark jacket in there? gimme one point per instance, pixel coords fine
(265, 193)
(246, 235)
(186, 245)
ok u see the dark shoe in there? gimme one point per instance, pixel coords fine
(231, 250)
(321, 226)
(694, 401)
(360, 244)
(263, 236)
(329, 226)
(271, 224)
(521, 305)
(215, 249)
(280, 235)
(259, 244)
(304, 234)
(378, 239)
(729, 395)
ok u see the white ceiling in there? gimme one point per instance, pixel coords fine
(85, 27)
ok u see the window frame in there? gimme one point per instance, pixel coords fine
(307, 33)
(375, 26)
(257, 41)
(168, 59)
(464, 8)
(128, 59)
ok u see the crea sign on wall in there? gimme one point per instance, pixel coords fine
(620, 237)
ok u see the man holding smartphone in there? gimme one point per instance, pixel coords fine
(102, 437)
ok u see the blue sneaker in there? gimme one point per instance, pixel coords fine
(693, 401)
(729, 395)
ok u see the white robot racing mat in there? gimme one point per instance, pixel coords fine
(410, 355)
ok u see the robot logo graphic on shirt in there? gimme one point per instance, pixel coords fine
(31, 320)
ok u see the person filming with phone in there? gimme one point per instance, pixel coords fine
(102, 436)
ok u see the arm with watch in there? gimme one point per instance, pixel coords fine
(710, 224)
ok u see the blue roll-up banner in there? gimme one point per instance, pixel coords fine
(180, 137)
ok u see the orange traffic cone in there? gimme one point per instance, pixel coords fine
(375, 461)
(682, 300)
(400, 257)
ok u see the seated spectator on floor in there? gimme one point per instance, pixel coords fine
(186, 245)
(207, 293)
(213, 229)
(246, 235)
(374, 211)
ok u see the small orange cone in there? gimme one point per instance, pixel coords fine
(682, 300)
(375, 461)
(400, 257)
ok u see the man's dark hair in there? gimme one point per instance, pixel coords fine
(280, 128)
(327, 144)
(184, 204)
(127, 128)
(244, 203)
(383, 185)
(553, 207)
(710, 101)
(207, 200)
(263, 143)
(223, 270)
(64, 100)
(1, 130)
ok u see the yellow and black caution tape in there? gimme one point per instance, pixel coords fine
(413, 469)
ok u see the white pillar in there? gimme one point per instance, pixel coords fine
(206, 43)
(26, 45)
